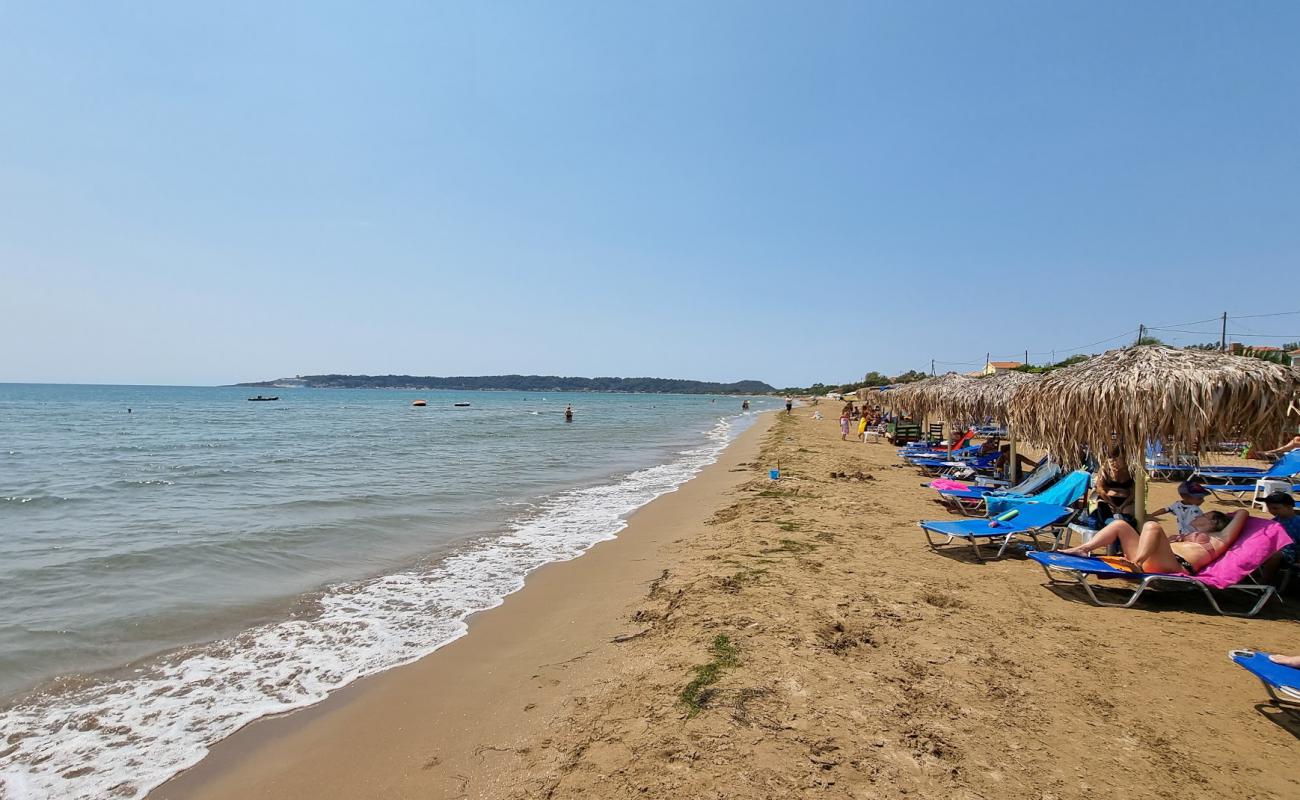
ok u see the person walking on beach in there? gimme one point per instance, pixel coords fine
(844, 425)
(789, 404)
(862, 428)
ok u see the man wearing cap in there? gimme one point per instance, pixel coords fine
(1190, 497)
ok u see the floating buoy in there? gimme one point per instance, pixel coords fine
(419, 403)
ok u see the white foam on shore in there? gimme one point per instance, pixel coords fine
(120, 738)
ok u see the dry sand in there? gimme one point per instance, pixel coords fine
(859, 665)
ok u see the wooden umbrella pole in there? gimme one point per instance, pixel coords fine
(1013, 461)
(1140, 494)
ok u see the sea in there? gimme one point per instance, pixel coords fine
(176, 562)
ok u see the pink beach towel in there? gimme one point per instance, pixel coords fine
(1259, 540)
(945, 485)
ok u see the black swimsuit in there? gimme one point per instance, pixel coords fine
(1107, 486)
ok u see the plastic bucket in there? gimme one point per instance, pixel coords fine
(774, 474)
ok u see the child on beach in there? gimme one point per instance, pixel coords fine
(1191, 496)
(844, 425)
(862, 428)
(1282, 506)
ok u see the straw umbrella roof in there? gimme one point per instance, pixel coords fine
(921, 398)
(980, 399)
(1188, 398)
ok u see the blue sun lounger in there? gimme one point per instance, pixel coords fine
(1030, 521)
(1281, 682)
(1065, 492)
(941, 454)
(1077, 570)
(1159, 466)
(970, 501)
(1284, 467)
(936, 465)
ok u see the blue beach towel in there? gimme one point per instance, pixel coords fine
(1062, 493)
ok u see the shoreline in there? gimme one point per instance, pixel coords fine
(747, 640)
(305, 753)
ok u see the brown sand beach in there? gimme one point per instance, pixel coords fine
(745, 638)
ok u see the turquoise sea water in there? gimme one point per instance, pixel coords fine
(170, 573)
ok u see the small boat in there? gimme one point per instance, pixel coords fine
(261, 399)
(461, 405)
(419, 403)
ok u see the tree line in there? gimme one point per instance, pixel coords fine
(520, 383)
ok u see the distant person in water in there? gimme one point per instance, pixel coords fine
(568, 413)
(744, 405)
(789, 404)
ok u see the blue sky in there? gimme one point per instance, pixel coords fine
(788, 192)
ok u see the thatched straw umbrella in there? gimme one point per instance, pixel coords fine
(974, 401)
(1153, 393)
(979, 399)
(924, 398)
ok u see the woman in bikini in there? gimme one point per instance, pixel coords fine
(1184, 554)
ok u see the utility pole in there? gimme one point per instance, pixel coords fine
(1142, 332)
(932, 367)
(1223, 334)
(1026, 361)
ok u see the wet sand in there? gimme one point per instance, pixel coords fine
(856, 663)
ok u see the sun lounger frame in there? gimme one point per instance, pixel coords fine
(1054, 529)
(1150, 580)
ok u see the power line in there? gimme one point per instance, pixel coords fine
(1295, 337)
(1173, 327)
(1194, 322)
(1257, 316)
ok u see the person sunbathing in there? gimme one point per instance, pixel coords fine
(1152, 550)
(1286, 661)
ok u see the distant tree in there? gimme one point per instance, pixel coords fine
(1149, 340)
(1065, 362)
(911, 376)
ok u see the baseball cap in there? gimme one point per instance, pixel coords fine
(1192, 489)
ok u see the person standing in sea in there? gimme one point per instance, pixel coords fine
(568, 413)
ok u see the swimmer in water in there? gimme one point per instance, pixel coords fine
(568, 413)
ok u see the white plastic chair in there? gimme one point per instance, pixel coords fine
(1266, 486)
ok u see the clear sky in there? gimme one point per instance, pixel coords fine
(791, 192)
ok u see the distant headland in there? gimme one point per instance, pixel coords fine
(514, 383)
